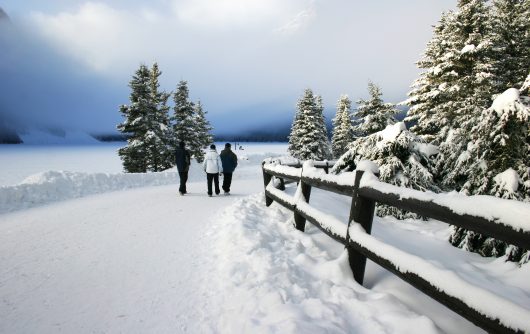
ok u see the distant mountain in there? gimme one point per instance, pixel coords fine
(3, 15)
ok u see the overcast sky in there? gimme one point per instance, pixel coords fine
(67, 63)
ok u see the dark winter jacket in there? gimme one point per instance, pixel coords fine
(229, 160)
(182, 159)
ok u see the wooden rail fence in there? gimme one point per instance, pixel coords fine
(361, 245)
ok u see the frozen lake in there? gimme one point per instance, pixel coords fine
(20, 161)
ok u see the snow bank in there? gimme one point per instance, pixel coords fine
(276, 279)
(55, 186)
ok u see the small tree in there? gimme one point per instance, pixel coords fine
(375, 114)
(342, 127)
(309, 137)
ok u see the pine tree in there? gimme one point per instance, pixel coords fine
(203, 137)
(147, 124)
(375, 114)
(432, 92)
(403, 158)
(158, 140)
(511, 38)
(134, 155)
(184, 128)
(496, 163)
(309, 138)
(342, 127)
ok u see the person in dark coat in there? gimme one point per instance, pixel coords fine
(229, 161)
(182, 160)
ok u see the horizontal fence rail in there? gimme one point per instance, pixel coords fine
(365, 192)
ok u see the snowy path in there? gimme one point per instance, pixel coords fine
(130, 261)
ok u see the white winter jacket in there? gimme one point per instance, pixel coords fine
(212, 162)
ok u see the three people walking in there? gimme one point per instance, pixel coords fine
(229, 161)
(213, 167)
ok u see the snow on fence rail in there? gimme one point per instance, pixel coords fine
(503, 219)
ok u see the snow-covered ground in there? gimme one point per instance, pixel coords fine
(84, 249)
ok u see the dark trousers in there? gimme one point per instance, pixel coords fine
(215, 178)
(227, 180)
(183, 179)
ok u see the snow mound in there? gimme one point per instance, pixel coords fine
(508, 180)
(53, 186)
(367, 165)
(391, 132)
(278, 280)
(506, 101)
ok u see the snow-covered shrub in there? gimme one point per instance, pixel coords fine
(403, 158)
(496, 162)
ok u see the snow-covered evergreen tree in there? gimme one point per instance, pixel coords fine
(158, 140)
(309, 136)
(374, 112)
(458, 78)
(403, 158)
(342, 127)
(432, 92)
(202, 127)
(511, 38)
(496, 163)
(184, 127)
(146, 123)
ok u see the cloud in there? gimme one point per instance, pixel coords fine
(299, 21)
(228, 13)
(244, 57)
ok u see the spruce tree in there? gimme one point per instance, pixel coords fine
(146, 123)
(470, 57)
(159, 136)
(431, 94)
(342, 127)
(183, 116)
(308, 138)
(511, 38)
(203, 137)
(496, 163)
(375, 113)
(134, 155)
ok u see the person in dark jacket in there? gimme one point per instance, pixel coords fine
(229, 161)
(182, 160)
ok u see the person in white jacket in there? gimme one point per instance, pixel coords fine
(213, 167)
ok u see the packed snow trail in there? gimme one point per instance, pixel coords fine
(130, 261)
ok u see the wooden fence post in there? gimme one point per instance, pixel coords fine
(266, 179)
(282, 181)
(362, 212)
(299, 221)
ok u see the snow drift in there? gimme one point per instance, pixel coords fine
(53, 186)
